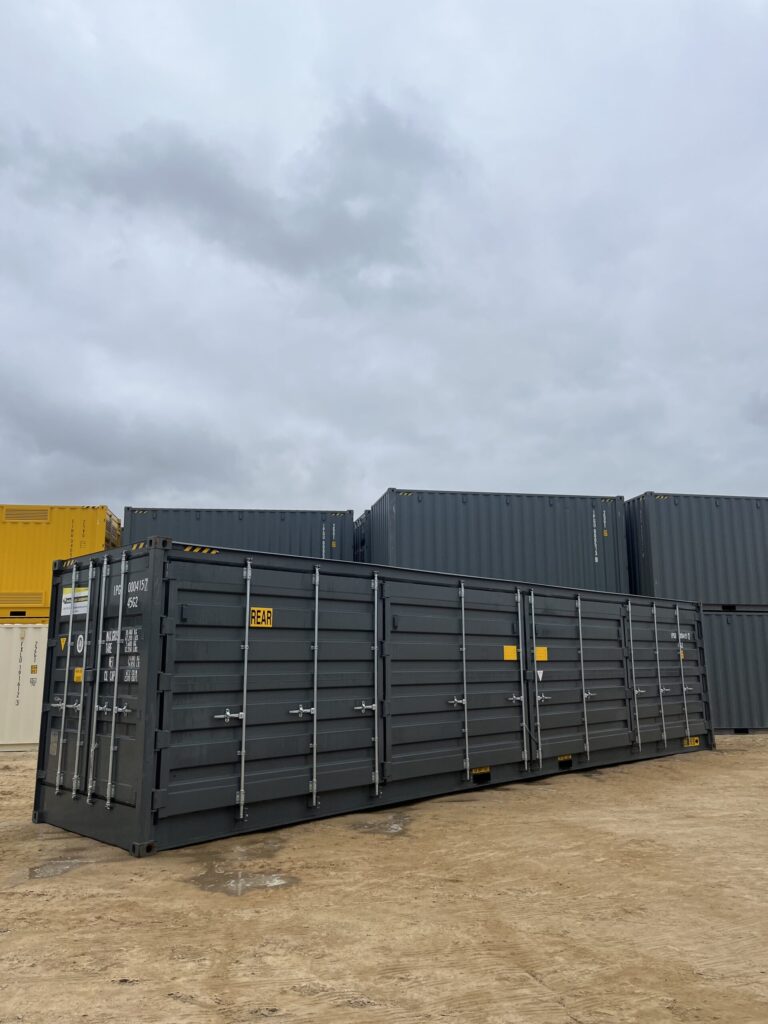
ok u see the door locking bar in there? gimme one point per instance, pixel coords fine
(230, 716)
(635, 690)
(662, 689)
(76, 769)
(300, 711)
(64, 705)
(96, 708)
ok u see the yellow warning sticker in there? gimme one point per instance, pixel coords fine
(605, 533)
(682, 654)
(510, 652)
(33, 670)
(63, 642)
(261, 618)
(692, 741)
(542, 654)
(79, 674)
(481, 771)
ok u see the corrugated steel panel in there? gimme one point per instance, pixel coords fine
(325, 534)
(32, 537)
(22, 670)
(737, 662)
(700, 547)
(565, 540)
(198, 696)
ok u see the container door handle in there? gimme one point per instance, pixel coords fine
(362, 708)
(301, 711)
(516, 699)
(457, 702)
(228, 716)
(542, 697)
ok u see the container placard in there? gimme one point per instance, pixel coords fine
(261, 618)
(81, 601)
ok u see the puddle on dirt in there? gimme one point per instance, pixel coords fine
(53, 868)
(384, 824)
(236, 881)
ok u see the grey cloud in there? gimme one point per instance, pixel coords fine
(347, 207)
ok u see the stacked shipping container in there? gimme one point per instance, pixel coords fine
(563, 540)
(288, 532)
(712, 549)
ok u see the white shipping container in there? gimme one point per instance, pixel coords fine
(22, 667)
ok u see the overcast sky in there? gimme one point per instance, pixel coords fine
(290, 254)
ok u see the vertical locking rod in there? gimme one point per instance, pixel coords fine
(376, 777)
(634, 680)
(658, 675)
(523, 687)
(315, 706)
(681, 659)
(583, 679)
(96, 686)
(536, 680)
(76, 769)
(59, 772)
(464, 680)
(241, 792)
(118, 648)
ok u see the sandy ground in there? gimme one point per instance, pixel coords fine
(630, 894)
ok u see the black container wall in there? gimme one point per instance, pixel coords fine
(190, 696)
(564, 540)
(737, 660)
(289, 532)
(700, 547)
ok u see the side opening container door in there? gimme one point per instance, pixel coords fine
(679, 673)
(579, 702)
(95, 718)
(268, 688)
(455, 697)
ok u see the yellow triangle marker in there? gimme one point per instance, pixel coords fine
(63, 642)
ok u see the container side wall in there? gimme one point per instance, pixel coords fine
(562, 540)
(312, 534)
(22, 669)
(32, 537)
(737, 652)
(704, 548)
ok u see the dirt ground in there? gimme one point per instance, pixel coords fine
(629, 894)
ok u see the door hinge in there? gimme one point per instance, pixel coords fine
(162, 739)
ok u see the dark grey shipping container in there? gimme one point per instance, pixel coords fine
(563, 540)
(190, 696)
(737, 662)
(700, 547)
(286, 532)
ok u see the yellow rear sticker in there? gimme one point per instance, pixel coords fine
(481, 771)
(542, 654)
(79, 674)
(33, 670)
(692, 741)
(261, 618)
(565, 757)
(682, 654)
(63, 642)
(510, 652)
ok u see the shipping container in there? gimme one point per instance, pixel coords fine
(22, 669)
(32, 537)
(700, 547)
(190, 696)
(285, 532)
(565, 540)
(737, 659)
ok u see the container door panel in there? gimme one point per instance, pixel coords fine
(578, 695)
(308, 715)
(452, 676)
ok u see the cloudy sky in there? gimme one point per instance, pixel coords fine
(290, 254)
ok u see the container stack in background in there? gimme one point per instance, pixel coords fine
(564, 540)
(712, 549)
(32, 537)
(326, 534)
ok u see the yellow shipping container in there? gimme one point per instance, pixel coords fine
(32, 537)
